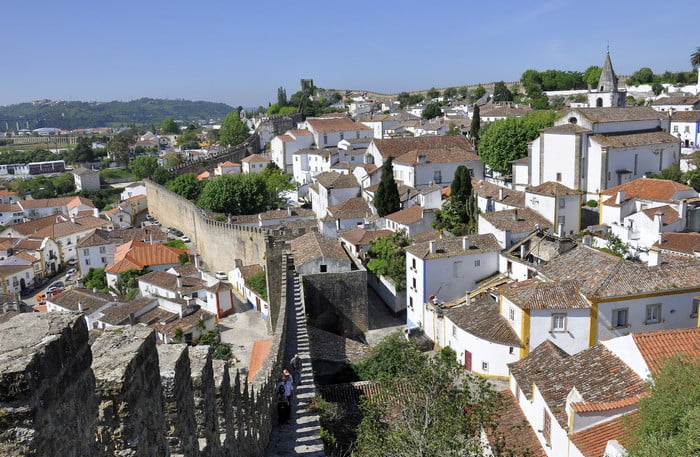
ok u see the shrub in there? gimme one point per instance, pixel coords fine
(592, 203)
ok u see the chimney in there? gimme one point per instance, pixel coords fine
(80, 307)
(72, 218)
(180, 312)
(466, 244)
(467, 299)
(654, 257)
(289, 211)
(500, 194)
(96, 212)
(178, 279)
(620, 197)
(682, 209)
(196, 261)
(132, 319)
(515, 214)
(659, 221)
(433, 247)
(94, 290)
(560, 229)
(523, 251)
(587, 240)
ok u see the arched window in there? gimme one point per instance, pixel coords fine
(573, 120)
(599, 102)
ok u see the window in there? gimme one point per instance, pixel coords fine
(559, 322)
(485, 366)
(547, 427)
(653, 313)
(325, 139)
(511, 314)
(511, 350)
(104, 260)
(87, 261)
(561, 220)
(413, 263)
(437, 176)
(675, 129)
(477, 263)
(562, 203)
(324, 268)
(410, 302)
(103, 249)
(620, 317)
(454, 330)
(414, 283)
(636, 158)
(86, 252)
(694, 309)
(558, 177)
(342, 136)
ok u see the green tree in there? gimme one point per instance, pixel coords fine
(501, 93)
(276, 183)
(668, 422)
(475, 125)
(450, 92)
(657, 88)
(592, 75)
(432, 111)
(235, 194)
(161, 176)
(403, 99)
(119, 146)
(506, 140)
(188, 139)
(672, 173)
(479, 92)
(143, 167)
(387, 199)
(533, 78)
(281, 97)
(96, 278)
(695, 58)
(258, 283)
(394, 356)
(233, 131)
(453, 130)
(388, 257)
(187, 185)
(217, 349)
(459, 214)
(169, 127)
(443, 415)
(463, 92)
(641, 76)
(83, 150)
(432, 93)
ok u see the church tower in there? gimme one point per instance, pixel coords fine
(606, 93)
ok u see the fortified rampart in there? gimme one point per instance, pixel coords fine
(124, 395)
(234, 154)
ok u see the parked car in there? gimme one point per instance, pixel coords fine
(40, 297)
(58, 284)
(72, 262)
(53, 291)
(176, 232)
(185, 239)
(221, 276)
(71, 271)
(170, 230)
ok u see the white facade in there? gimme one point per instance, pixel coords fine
(283, 146)
(563, 211)
(95, 257)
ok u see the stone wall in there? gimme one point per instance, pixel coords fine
(337, 302)
(235, 153)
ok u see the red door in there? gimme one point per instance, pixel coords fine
(468, 360)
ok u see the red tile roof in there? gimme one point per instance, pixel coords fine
(343, 124)
(260, 352)
(137, 254)
(646, 188)
(688, 243)
(656, 346)
(552, 188)
(591, 442)
(514, 429)
(407, 216)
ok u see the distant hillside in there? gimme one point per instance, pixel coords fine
(74, 115)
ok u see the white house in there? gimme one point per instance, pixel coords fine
(344, 216)
(132, 190)
(413, 220)
(511, 225)
(492, 197)
(676, 103)
(329, 132)
(558, 204)
(254, 163)
(444, 269)
(331, 189)
(520, 173)
(90, 303)
(310, 162)
(421, 168)
(593, 149)
(86, 179)
(685, 125)
(283, 146)
(14, 278)
(316, 253)
(238, 277)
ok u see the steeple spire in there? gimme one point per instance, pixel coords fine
(608, 80)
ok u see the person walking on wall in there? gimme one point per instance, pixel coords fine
(295, 363)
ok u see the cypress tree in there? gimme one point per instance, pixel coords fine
(476, 125)
(387, 199)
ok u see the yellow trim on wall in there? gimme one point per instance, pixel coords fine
(650, 295)
(489, 376)
(593, 330)
(525, 333)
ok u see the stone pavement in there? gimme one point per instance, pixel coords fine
(302, 436)
(240, 329)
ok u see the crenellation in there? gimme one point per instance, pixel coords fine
(204, 388)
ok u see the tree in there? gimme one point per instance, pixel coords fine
(641, 76)
(443, 414)
(233, 131)
(668, 422)
(235, 194)
(188, 139)
(432, 93)
(169, 127)
(432, 111)
(96, 278)
(479, 92)
(453, 130)
(592, 75)
(506, 140)
(394, 356)
(501, 93)
(449, 93)
(388, 257)
(276, 183)
(657, 88)
(119, 145)
(281, 97)
(695, 58)
(161, 176)
(386, 199)
(476, 125)
(459, 214)
(258, 283)
(403, 99)
(144, 166)
(463, 92)
(187, 185)
(83, 150)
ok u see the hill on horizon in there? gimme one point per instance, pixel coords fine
(74, 115)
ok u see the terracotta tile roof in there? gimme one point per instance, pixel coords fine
(10, 208)
(585, 407)
(485, 189)
(546, 295)
(7, 193)
(136, 198)
(332, 179)
(552, 188)
(679, 100)
(632, 139)
(299, 132)
(670, 214)
(343, 124)
(260, 352)
(203, 175)
(452, 246)
(518, 220)
(90, 301)
(169, 326)
(137, 254)
(507, 110)
(169, 281)
(686, 116)
(187, 270)
(285, 138)
(361, 237)
(228, 163)
(446, 155)
(329, 346)
(687, 243)
(254, 158)
(524, 160)
(429, 235)
(591, 442)
(369, 167)
(25, 256)
(482, 319)
(352, 208)
(566, 128)
(596, 373)
(120, 236)
(407, 216)
(647, 189)
(514, 429)
(657, 345)
(636, 113)
(9, 270)
(398, 146)
(119, 315)
(285, 214)
(68, 202)
(59, 226)
(28, 244)
(313, 245)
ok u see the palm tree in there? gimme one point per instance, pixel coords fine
(695, 58)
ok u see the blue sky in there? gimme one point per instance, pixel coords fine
(240, 52)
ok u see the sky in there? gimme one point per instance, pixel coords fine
(239, 53)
